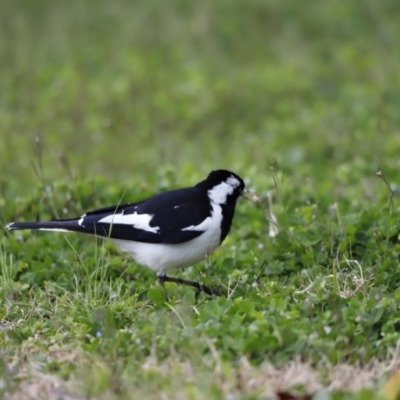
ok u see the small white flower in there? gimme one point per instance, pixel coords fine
(327, 329)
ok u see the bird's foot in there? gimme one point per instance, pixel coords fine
(209, 290)
(200, 287)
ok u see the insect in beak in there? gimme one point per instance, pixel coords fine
(246, 194)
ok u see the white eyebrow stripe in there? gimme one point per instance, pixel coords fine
(233, 181)
(138, 221)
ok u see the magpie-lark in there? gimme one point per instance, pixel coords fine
(174, 229)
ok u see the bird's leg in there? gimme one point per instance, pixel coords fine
(197, 293)
(161, 280)
(198, 285)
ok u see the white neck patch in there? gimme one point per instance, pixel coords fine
(220, 192)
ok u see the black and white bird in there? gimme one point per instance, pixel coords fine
(170, 230)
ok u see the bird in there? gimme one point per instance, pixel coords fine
(171, 230)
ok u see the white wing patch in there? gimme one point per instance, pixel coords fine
(200, 227)
(138, 221)
(220, 192)
(212, 223)
(54, 230)
(80, 222)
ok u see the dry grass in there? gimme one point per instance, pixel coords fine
(186, 378)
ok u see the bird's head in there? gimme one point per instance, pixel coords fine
(226, 187)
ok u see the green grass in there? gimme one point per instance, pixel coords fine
(103, 102)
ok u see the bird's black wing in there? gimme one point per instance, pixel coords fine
(171, 217)
(160, 219)
(114, 209)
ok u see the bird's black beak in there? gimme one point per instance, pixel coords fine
(246, 194)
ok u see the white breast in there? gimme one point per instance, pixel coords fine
(162, 257)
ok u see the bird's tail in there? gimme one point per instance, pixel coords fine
(70, 225)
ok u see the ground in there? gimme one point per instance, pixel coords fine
(103, 102)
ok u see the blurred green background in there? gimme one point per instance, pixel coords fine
(108, 101)
(122, 88)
